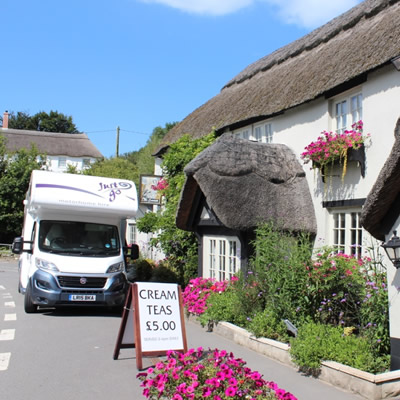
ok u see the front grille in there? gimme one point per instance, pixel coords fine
(66, 281)
(81, 292)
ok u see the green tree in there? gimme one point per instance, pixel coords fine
(143, 158)
(179, 246)
(15, 173)
(42, 121)
(114, 167)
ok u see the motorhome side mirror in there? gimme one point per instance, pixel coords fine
(17, 245)
(134, 252)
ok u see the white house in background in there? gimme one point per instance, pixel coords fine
(345, 71)
(61, 149)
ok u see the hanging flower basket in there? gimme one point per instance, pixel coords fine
(352, 155)
(337, 149)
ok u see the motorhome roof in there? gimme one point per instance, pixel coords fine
(82, 194)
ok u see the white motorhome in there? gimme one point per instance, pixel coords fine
(72, 249)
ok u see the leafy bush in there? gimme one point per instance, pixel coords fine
(278, 269)
(317, 342)
(180, 246)
(147, 223)
(335, 287)
(162, 273)
(224, 306)
(142, 270)
(269, 325)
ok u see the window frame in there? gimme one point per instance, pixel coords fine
(344, 115)
(132, 233)
(221, 256)
(260, 132)
(345, 231)
(62, 162)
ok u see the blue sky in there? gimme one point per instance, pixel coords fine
(138, 64)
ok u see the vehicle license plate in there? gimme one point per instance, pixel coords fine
(82, 297)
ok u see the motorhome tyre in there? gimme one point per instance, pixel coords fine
(28, 304)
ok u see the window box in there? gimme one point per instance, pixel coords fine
(352, 155)
(333, 148)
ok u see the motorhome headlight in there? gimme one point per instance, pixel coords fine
(45, 265)
(115, 268)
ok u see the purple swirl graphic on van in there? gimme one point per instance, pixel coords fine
(113, 189)
(47, 185)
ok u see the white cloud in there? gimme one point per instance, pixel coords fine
(310, 13)
(208, 7)
(304, 13)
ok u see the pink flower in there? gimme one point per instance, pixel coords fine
(230, 391)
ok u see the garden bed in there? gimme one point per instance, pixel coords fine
(372, 387)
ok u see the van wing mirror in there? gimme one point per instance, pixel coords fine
(17, 245)
(133, 252)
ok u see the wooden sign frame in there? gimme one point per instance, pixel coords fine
(127, 314)
(136, 314)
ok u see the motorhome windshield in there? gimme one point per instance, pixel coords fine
(78, 238)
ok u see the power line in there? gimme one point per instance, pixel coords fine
(108, 130)
(139, 133)
(123, 130)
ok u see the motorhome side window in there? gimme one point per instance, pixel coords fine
(81, 238)
(33, 234)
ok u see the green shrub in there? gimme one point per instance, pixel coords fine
(224, 307)
(163, 274)
(269, 325)
(279, 268)
(317, 342)
(142, 270)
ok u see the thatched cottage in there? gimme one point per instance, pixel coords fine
(343, 72)
(234, 185)
(61, 149)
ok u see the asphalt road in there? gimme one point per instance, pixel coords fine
(68, 354)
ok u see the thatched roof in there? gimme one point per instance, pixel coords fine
(340, 52)
(381, 208)
(246, 183)
(53, 144)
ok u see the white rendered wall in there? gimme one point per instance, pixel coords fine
(52, 163)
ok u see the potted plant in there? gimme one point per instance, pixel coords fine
(331, 148)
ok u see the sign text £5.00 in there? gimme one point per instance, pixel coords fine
(155, 310)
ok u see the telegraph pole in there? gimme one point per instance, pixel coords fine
(117, 148)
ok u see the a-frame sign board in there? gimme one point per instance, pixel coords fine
(152, 321)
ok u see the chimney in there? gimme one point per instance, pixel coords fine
(5, 120)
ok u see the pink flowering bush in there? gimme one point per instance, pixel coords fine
(214, 374)
(198, 291)
(332, 146)
(335, 287)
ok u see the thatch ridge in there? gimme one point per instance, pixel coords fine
(343, 50)
(51, 143)
(308, 42)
